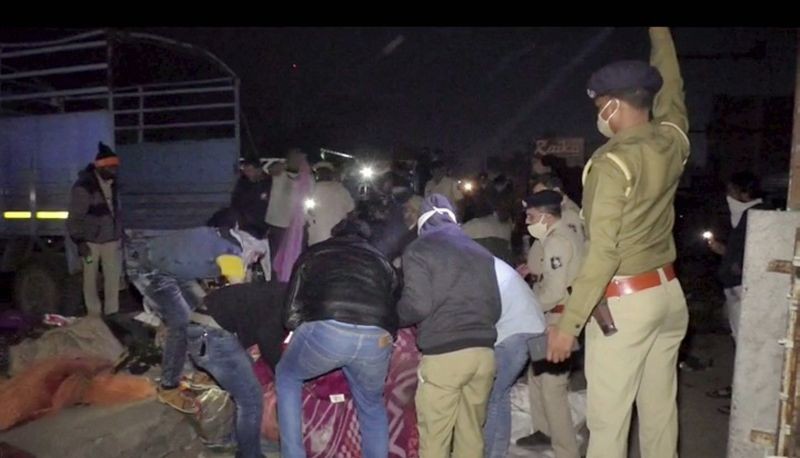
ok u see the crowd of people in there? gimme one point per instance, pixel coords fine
(497, 274)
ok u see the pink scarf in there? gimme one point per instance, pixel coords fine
(292, 244)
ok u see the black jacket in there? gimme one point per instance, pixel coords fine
(249, 201)
(730, 269)
(450, 290)
(390, 234)
(343, 279)
(252, 311)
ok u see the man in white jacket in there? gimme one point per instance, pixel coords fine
(330, 203)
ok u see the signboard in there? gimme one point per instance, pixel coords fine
(570, 149)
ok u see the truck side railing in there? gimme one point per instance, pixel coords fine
(78, 73)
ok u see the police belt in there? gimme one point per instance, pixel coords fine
(622, 286)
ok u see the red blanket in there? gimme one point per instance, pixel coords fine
(330, 425)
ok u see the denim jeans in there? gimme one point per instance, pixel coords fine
(220, 354)
(173, 300)
(511, 356)
(318, 347)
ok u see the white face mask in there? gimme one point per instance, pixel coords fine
(603, 125)
(538, 230)
(423, 218)
(738, 208)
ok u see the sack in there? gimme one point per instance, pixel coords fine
(86, 337)
(214, 419)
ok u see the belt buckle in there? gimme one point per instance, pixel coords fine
(627, 289)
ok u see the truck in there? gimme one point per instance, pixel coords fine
(171, 112)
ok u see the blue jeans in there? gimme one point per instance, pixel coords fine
(219, 353)
(511, 356)
(319, 347)
(174, 301)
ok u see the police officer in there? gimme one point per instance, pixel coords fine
(629, 187)
(570, 211)
(570, 217)
(548, 383)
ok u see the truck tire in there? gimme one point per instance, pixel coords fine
(42, 285)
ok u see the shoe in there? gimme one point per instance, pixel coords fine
(179, 399)
(537, 439)
(122, 361)
(201, 381)
(722, 393)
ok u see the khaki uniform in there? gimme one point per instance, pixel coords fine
(562, 255)
(452, 397)
(629, 188)
(570, 218)
(535, 260)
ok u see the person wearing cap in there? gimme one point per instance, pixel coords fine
(548, 383)
(94, 226)
(329, 203)
(570, 211)
(570, 217)
(629, 188)
(342, 309)
(167, 269)
(451, 293)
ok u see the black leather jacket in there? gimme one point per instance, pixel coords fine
(343, 279)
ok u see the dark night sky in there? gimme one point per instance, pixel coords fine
(474, 90)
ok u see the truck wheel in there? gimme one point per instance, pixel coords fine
(39, 284)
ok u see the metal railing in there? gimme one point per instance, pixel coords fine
(31, 81)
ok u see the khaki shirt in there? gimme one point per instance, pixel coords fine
(629, 189)
(536, 260)
(571, 219)
(562, 256)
